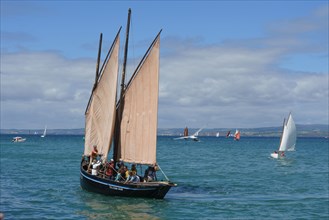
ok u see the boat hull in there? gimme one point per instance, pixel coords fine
(277, 155)
(18, 139)
(96, 184)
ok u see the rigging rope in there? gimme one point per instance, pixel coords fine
(163, 172)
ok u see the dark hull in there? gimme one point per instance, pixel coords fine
(96, 184)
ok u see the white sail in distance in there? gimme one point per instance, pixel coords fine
(44, 132)
(289, 135)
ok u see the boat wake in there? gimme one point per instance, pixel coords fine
(197, 192)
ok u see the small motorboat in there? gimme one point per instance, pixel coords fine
(18, 139)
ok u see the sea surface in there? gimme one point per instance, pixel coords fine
(217, 178)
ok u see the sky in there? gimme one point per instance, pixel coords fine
(223, 64)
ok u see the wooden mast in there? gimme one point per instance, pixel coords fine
(117, 143)
(98, 57)
(284, 122)
(97, 69)
(125, 57)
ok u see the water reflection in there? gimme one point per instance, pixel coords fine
(108, 207)
(286, 161)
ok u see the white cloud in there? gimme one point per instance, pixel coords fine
(229, 84)
(43, 88)
(241, 84)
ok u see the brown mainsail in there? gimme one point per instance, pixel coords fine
(138, 128)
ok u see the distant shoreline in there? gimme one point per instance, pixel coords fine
(315, 130)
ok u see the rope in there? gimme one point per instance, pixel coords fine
(163, 172)
(118, 173)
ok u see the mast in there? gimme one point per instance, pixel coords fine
(97, 69)
(98, 57)
(284, 122)
(120, 109)
(125, 57)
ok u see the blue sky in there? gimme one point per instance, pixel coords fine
(233, 64)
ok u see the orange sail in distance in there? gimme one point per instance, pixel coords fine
(237, 135)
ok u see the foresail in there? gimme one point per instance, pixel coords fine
(138, 130)
(289, 135)
(100, 114)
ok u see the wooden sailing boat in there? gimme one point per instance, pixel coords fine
(131, 123)
(288, 138)
(193, 137)
(185, 131)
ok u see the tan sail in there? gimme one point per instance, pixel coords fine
(100, 115)
(138, 130)
(186, 131)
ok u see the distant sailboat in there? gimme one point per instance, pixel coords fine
(44, 132)
(237, 135)
(228, 134)
(186, 131)
(194, 136)
(217, 134)
(288, 138)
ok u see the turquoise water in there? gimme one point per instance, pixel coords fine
(217, 178)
